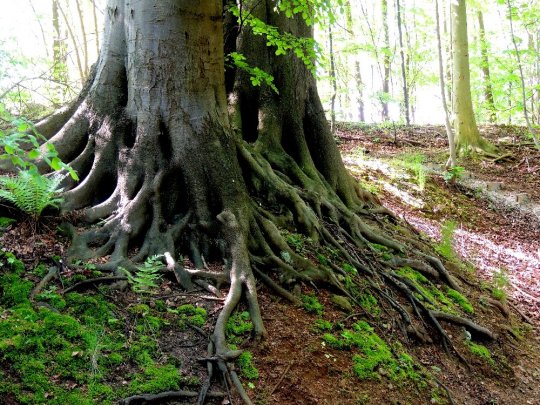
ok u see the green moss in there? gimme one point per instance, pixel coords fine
(139, 309)
(191, 314)
(372, 354)
(156, 378)
(369, 303)
(349, 269)
(445, 246)
(40, 270)
(322, 325)
(480, 351)
(459, 299)
(238, 325)
(52, 298)
(412, 274)
(83, 343)
(246, 366)
(160, 305)
(312, 304)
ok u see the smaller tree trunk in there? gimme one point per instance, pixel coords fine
(449, 133)
(360, 89)
(488, 89)
(386, 63)
(403, 70)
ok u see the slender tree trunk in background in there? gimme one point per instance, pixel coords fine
(84, 37)
(447, 35)
(386, 62)
(409, 63)
(522, 78)
(537, 65)
(510, 106)
(97, 31)
(449, 133)
(59, 69)
(80, 67)
(488, 89)
(532, 50)
(43, 36)
(467, 135)
(333, 80)
(403, 69)
(360, 89)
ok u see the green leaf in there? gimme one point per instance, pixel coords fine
(56, 163)
(34, 154)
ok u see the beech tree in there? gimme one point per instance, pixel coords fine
(177, 158)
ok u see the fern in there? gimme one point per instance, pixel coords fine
(146, 276)
(31, 192)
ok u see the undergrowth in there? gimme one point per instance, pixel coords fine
(71, 349)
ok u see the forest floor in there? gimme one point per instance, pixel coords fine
(94, 345)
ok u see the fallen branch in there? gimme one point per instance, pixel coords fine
(93, 281)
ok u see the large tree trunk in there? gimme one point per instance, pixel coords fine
(168, 169)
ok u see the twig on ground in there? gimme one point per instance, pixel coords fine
(281, 378)
(53, 272)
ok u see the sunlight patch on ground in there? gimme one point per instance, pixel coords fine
(390, 179)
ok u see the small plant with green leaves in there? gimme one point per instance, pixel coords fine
(453, 174)
(145, 278)
(20, 143)
(30, 192)
(296, 241)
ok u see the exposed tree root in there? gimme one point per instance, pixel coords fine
(166, 396)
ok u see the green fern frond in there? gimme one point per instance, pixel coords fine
(146, 277)
(31, 192)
